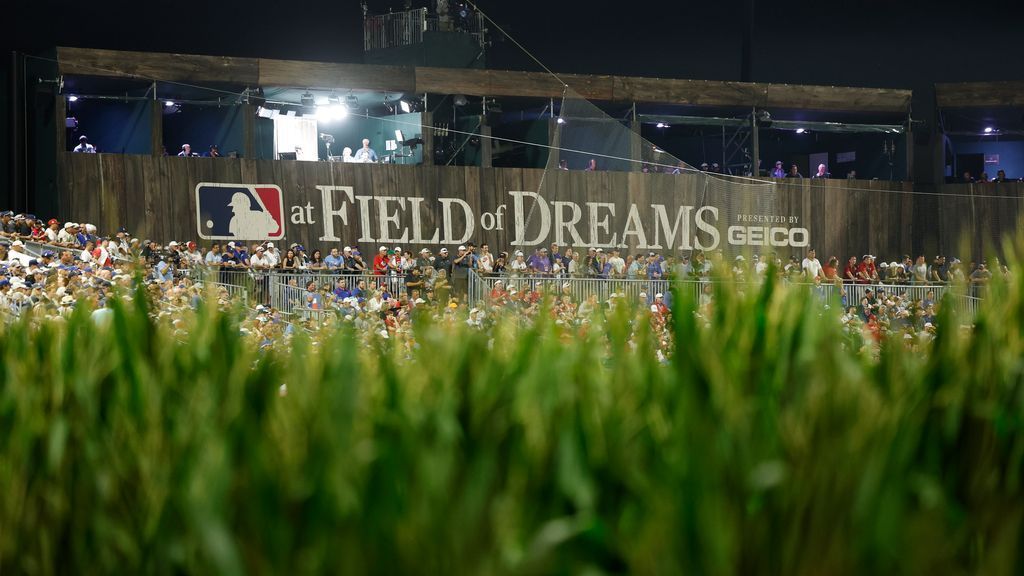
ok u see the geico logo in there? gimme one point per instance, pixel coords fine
(765, 236)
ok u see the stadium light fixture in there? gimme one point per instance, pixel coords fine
(800, 130)
(662, 125)
(352, 102)
(169, 103)
(72, 98)
(560, 121)
(307, 99)
(406, 107)
(989, 130)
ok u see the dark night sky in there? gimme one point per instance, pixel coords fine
(885, 43)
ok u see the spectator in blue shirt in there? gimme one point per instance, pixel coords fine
(334, 261)
(341, 290)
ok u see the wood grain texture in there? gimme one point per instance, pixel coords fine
(158, 66)
(498, 83)
(155, 198)
(1009, 94)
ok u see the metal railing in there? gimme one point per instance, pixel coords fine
(289, 290)
(480, 288)
(398, 29)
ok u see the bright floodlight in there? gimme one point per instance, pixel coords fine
(72, 98)
(169, 103)
(800, 130)
(988, 130)
(662, 125)
(560, 121)
(329, 113)
(405, 106)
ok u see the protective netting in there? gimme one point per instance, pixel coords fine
(661, 203)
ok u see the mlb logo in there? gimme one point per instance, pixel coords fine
(239, 211)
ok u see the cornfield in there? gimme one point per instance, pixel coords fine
(767, 444)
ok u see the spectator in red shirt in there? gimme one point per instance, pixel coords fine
(850, 272)
(830, 270)
(380, 261)
(866, 272)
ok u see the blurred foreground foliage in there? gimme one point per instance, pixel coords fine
(766, 446)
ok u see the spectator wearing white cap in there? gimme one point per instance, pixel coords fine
(272, 253)
(519, 265)
(423, 260)
(66, 234)
(380, 261)
(443, 262)
(260, 259)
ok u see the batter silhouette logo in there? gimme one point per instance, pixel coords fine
(239, 211)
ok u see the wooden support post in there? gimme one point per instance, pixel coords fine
(248, 131)
(636, 152)
(909, 143)
(61, 112)
(486, 157)
(554, 141)
(755, 142)
(156, 127)
(427, 120)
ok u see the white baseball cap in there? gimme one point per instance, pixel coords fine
(270, 244)
(444, 250)
(462, 247)
(382, 249)
(346, 249)
(659, 295)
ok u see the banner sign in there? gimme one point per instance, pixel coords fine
(336, 214)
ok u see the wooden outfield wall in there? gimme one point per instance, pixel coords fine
(413, 206)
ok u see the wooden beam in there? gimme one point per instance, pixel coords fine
(493, 83)
(509, 83)
(326, 75)
(1009, 94)
(158, 66)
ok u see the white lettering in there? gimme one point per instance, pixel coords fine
(634, 227)
(417, 224)
(681, 225)
(385, 220)
(598, 224)
(763, 236)
(298, 215)
(446, 206)
(327, 196)
(561, 225)
(707, 227)
(364, 218)
(520, 218)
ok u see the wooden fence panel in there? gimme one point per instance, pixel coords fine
(156, 197)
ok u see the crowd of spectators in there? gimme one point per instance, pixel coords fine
(77, 264)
